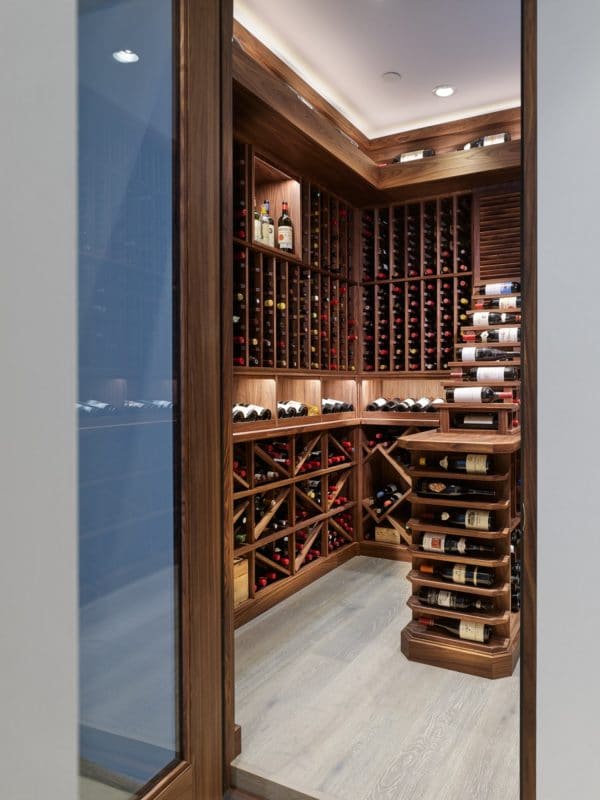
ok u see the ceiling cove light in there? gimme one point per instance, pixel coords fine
(125, 56)
(444, 90)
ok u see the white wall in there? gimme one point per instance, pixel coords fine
(38, 680)
(569, 380)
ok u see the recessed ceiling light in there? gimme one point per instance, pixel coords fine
(125, 56)
(444, 90)
(390, 77)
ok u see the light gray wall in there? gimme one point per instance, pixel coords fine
(38, 685)
(569, 379)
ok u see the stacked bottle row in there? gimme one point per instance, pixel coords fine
(464, 530)
(327, 232)
(289, 317)
(416, 273)
(293, 502)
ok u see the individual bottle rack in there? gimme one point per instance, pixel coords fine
(485, 329)
(416, 273)
(448, 533)
(292, 311)
(294, 507)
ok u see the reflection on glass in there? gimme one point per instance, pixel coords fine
(128, 501)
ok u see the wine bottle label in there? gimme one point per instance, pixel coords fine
(477, 519)
(467, 395)
(257, 230)
(508, 335)
(498, 288)
(494, 138)
(445, 599)
(472, 631)
(433, 543)
(294, 404)
(444, 462)
(285, 237)
(469, 354)
(478, 420)
(459, 573)
(490, 373)
(380, 402)
(481, 318)
(507, 303)
(461, 546)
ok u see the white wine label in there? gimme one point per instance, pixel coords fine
(477, 519)
(285, 237)
(508, 335)
(481, 317)
(459, 573)
(461, 545)
(490, 373)
(445, 599)
(444, 462)
(472, 631)
(494, 138)
(507, 303)
(469, 353)
(257, 230)
(498, 288)
(294, 404)
(476, 463)
(484, 336)
(380, 402)
(433, 543)
(467, 395)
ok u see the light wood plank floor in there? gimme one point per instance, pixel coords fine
(330, 707)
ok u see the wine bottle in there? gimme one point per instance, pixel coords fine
(469, 518)
(494, 318)
(257, 226)
(285, 230)
(500, 303)
(486, 141)
(433, 408)
(422, 404)
(483, 422)
(447, 599)
(267, 225)
(471, 463)
(487, 354)
(442, 543)
(479, 394)
(465, 574)
(413, 155)
(507, 287)
(244, 414)
(498, 335)
(430, 487)
(462, 628)
(481, 374)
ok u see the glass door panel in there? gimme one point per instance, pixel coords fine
(129, 509)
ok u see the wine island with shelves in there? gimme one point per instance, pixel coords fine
(362, 304)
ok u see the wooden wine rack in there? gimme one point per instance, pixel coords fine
(498, 657)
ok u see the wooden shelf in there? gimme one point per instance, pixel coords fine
(499, 562)
(465, 442)
(416, 578)
(426, 472)
(495, 644)
(444, 502)
(417, 526)
(487, 618)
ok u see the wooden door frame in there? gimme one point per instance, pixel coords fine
(529, 384)
(529, 399)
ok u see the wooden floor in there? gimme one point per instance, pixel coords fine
(330, 708)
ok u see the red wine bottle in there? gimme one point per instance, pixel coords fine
(457, 600)
(481, 374)
(471, 463)
(479, 394)
(462, 628)
(464, 574)
(497, 335)
(436, 487)
(487, 354)
(443, 543)
(469, 518)
(501, 303)
(507, 287)
(494, 318)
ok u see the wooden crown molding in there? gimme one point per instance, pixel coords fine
(262, 74)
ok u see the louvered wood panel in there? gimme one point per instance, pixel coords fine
(499, 236)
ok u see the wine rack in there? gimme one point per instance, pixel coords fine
(294, 506)
(497, 439)
(292, 311)
(416, 283)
